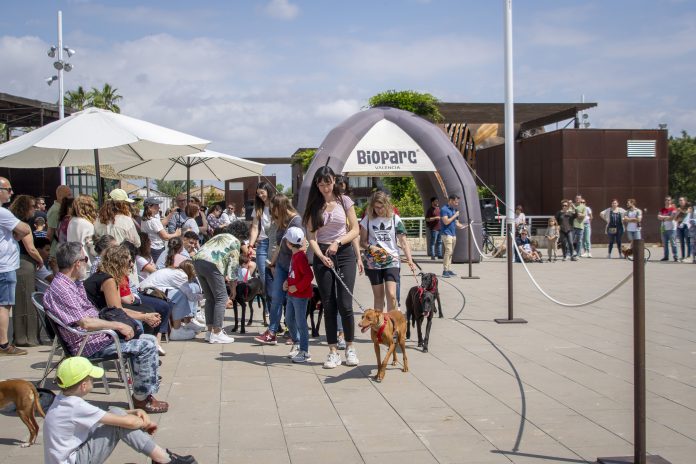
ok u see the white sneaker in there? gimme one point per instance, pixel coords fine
(195, 323)
(207, 336)
(294, 351)
(351, 357)
(200, 317)
(333, 359)
(182, 333)
(161, 351)
(220, 337)
(341, 345)
(195, 328)
(302, 356)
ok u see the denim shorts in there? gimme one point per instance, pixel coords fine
(8, 283)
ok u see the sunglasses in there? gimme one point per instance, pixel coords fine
(9, 189)
(84, 259)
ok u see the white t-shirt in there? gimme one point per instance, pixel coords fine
(383, 233)
(9, 248)
(140, 263)
(633, 213)
(165, 279)
(265, 223)
(40, 278)
(190, 224)
(152, 228)
(68, 424)
(588, 213)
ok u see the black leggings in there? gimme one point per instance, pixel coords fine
(615, 238)
(334, 296)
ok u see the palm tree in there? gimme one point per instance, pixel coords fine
(106, 98)
(78, 99)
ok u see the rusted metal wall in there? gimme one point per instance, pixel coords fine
(590, 162)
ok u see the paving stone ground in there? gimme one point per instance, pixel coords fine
(558, 389)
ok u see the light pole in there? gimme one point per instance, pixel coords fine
(60, 66)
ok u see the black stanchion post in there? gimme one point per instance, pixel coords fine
(639, 451)
(510, 240)
(470, 237)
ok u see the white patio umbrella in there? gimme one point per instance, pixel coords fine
(207, 165)
(93, 136)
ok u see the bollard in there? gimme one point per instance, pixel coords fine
(510, 253)
(470, 237)
(639, 451)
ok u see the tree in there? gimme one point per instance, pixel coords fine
(304, 158)
(212, 196)
(682, 166)
(78, 99)
(106, 98)
(173, 187)
(422, 104)
(280, 188)
(405, 196)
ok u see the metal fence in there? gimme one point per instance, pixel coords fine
(416, 228)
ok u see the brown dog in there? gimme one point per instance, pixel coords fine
(384, 327)
(25, 397)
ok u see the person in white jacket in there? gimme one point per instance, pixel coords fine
(81, 225)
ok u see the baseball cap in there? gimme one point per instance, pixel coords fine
(119, 195)
(294, 235)
(152, 201)
(73, 370)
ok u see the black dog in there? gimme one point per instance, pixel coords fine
(247, 292)
(420, 305)
(314, 304)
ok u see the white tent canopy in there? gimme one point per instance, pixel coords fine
(117, 138)
(207, 165)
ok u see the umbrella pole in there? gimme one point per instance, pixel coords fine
(100, 190)
(188, 184)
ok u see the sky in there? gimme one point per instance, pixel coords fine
(266, 77)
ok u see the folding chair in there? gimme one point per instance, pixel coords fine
(53, 323)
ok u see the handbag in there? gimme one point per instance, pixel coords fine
(612, 230)
(155, 293)
(114, 314)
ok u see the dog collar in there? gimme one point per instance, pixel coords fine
(382, 327)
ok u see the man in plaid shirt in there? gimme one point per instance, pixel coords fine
(67, 300)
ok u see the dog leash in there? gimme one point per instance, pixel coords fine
(333, 268)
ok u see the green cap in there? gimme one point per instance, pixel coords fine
(73, 370)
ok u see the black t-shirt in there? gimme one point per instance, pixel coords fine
(565, 220)
(93, 286)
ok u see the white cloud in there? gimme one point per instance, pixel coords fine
(282, 9)
(337, 109)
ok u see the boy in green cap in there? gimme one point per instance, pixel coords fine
(77, 432)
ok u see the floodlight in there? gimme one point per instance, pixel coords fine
(52, 51)
(58, 65)
(69, 51)
(67, 67)
(51, 80)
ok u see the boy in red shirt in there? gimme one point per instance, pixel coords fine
(299, 288)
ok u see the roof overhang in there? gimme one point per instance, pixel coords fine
(527, 115)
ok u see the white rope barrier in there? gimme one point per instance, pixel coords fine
(483, 255)
(571, 305)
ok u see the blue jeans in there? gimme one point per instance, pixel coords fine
(8, 284)
(435, 243)
(145, 363)
(261, 257)
(296, 320)
(579, 241)
(667, 240)
(277, 299)
(683, 234)
(586, 240)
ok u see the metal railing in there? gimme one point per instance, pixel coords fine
(416, 228)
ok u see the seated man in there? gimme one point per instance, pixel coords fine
(78, 432)
(66, 299)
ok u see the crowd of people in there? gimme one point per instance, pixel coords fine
(150, 275)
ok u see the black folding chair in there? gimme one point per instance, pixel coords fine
(121, 359)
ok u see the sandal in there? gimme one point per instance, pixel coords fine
(151, 406)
